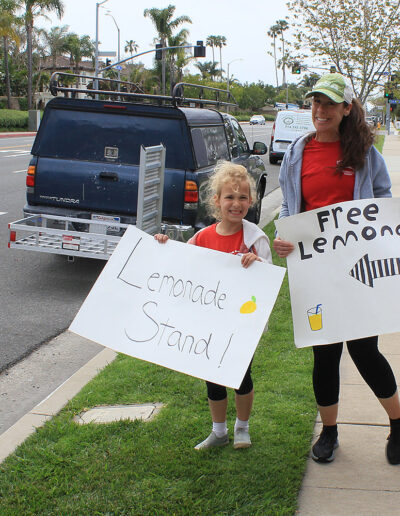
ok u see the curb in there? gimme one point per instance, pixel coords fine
(15, 135)
(53, 403)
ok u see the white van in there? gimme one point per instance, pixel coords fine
(288, 125)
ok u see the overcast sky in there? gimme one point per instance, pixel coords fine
(244, 24)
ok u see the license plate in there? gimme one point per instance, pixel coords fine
(102, 228)
(71, 243)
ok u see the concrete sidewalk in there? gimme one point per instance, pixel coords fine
(359, 482)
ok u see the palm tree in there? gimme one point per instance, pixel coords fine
(177, 55)
(281, 26)
(211, 41)
(208, 69)
(131, 47)
(220, 42)
(165, 25)
(273, 33)
(8, 30)
(78, 47)
(34, 8)
(56, 41)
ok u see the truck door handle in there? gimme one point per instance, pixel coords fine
(112, 176)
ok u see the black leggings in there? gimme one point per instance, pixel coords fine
(371, 364)
(217, 392)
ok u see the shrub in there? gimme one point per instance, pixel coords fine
(11, 119)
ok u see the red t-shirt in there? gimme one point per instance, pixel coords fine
(210, 239)
(320, 183)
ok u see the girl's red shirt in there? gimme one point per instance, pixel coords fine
(210, 239)
(321, 185)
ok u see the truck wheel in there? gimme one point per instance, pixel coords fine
(273, 161)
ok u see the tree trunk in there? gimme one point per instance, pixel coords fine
(276, 68)
(7, 72)
(220, 59)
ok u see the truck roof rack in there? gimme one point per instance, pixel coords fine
(126, 94)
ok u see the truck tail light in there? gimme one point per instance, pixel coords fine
(30, 176)
(13, 235)
(191, 192)
(273, 133)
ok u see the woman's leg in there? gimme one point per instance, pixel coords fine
(326, 382)
(378, 374)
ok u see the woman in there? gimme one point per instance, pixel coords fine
(338, 163)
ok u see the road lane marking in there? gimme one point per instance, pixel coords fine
(18, 171)
(3, 212)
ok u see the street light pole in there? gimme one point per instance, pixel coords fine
(228, 78)
(118, 51)
(96, 52)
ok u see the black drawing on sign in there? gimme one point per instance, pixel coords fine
(366, 270)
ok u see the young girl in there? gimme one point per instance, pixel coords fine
(231, 194)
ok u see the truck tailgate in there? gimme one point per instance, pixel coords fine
(91, 186)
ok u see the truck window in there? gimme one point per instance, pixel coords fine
(109, 137)
(233, 146)
(243, 145)
(209, 145)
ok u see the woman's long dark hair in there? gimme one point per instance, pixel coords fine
(356, 137)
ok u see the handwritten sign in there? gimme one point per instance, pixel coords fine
(344, 273)
(184, 307)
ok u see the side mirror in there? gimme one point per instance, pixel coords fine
(259, 148)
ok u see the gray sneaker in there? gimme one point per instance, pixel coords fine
(241, 439)
(212, 441)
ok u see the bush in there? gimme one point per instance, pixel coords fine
(11, 119)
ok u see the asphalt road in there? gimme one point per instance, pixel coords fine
(41, 293)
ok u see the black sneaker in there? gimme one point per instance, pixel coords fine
(393, 448)
(324, 449)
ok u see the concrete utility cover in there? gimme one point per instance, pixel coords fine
(111, 413)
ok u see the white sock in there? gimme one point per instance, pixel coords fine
(220, 429)
(241, 425)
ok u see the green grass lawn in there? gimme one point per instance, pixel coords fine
(137, 468)
(379, 141)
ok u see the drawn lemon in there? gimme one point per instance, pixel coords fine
(249, 306)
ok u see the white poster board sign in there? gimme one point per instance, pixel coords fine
(184, 307)
(344, 273)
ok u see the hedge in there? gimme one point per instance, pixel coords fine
(12, 119)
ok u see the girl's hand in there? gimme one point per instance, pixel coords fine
(248, 259)
(282, 247)
(161, 238)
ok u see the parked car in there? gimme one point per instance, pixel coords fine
(257, 119)
(86, 156)
(288, 125)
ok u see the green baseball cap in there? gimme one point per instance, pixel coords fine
(334, 86)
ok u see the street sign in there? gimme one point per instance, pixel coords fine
(118, 67)
(394, 101)
(108, 53)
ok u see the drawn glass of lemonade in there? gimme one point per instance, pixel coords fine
(315, 317)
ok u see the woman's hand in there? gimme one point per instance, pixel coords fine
(161, 238)
(282, 247)
(248, 259)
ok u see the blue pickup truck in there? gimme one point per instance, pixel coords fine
(85, 162)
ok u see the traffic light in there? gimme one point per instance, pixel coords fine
(108, 62)
(199, 50)
(158, 52)
(296, 68)
(333, 69)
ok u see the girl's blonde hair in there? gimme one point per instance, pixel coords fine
(227, 172)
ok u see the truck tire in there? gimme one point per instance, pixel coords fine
(273, 161)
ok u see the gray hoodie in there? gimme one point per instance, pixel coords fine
(372, 180)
